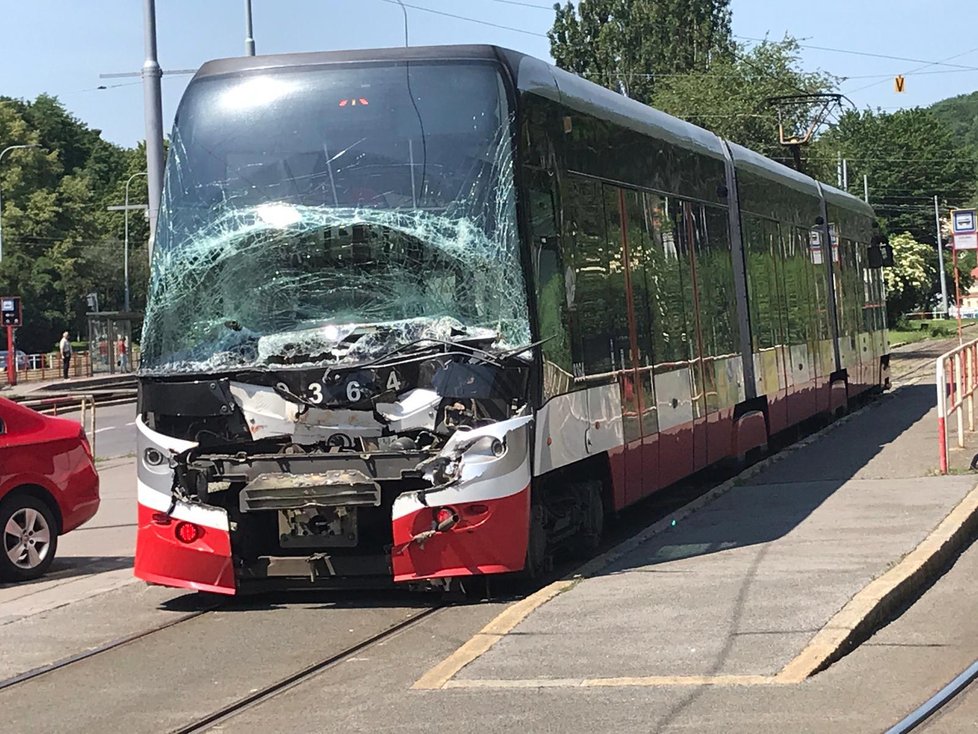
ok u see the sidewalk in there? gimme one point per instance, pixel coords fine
(742, 591)
(38, 389)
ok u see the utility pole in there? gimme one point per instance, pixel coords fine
(125, 208)
(838, 170)
(940, 257)
(866, 188)
(153, 107)
(845, 174)
(249, 31)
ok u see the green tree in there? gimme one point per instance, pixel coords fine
(59, 243)
(909, 281)
(908, 157)
(625, 44)
(731, 96)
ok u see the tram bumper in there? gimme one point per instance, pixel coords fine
(178, 543)
(183, 553)
(475, 519)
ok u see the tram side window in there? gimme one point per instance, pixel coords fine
(670, 336)
(850, 279)
(584, 214)
(550, 269)
(714, 269)
(617, 305)
(760, 236)
(644, 300)
(819, 318)
(796, 290)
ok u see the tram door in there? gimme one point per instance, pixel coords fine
(632, 219)
(625, 340)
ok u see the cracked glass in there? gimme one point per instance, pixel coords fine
(324, 215)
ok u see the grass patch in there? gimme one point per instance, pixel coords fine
(907, 332)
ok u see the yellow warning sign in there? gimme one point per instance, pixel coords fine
(899, 82)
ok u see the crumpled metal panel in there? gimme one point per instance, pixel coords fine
(336, 488)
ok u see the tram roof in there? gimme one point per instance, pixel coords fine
(237, 64)
(533, 74)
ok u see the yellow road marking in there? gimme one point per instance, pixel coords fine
(638, 681)
(489, 635)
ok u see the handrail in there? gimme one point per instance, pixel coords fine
(956, 382)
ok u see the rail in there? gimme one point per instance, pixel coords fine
(84, 403)
(956, 381)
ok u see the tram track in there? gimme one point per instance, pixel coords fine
(66, 662)
(933, 705)
(260, 696)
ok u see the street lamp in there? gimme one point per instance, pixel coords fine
(126, 208)
(2, 154)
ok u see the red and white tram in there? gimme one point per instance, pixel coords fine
(429, 313)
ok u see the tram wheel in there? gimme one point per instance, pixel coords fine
(592, 527)
(538, 560)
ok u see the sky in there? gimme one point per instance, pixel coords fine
(61, 47)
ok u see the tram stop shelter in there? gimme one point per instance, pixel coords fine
(110, 340)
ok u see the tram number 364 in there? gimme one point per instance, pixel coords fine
(353, 390)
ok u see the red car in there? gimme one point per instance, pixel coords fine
(48, 486)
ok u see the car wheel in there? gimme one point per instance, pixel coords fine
(30, 537)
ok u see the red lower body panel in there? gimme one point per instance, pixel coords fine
(203, 565)
(490, 537)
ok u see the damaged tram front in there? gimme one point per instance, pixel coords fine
(336, 351)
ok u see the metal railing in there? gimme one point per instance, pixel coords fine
(43, 367)
(957, 380)
(85, 404)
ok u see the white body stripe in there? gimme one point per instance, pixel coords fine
(155, 499)
(565, 430)
(483, 476)
(207, 516)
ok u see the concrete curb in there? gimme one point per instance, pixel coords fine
(876, 602)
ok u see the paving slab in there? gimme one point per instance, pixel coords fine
(740, 587)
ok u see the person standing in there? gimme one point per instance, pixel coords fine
(65, 349)
(121, 351)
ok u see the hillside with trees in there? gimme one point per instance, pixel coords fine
(961, 113)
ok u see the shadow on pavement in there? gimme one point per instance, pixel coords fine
(788, 491)
(68, 567)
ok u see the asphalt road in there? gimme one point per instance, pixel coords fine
(115, 430)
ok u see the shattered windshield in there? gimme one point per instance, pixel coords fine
(307, 207)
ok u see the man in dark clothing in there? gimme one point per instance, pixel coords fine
(65, 348)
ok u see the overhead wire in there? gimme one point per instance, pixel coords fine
(465, 18)
(876, 55)
(919, 68)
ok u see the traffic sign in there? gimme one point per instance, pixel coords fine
(963, 221)
(964, 229)
(10, 311)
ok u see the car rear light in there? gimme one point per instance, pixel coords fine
(445, 518)
(86, 445)
(187, 532)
